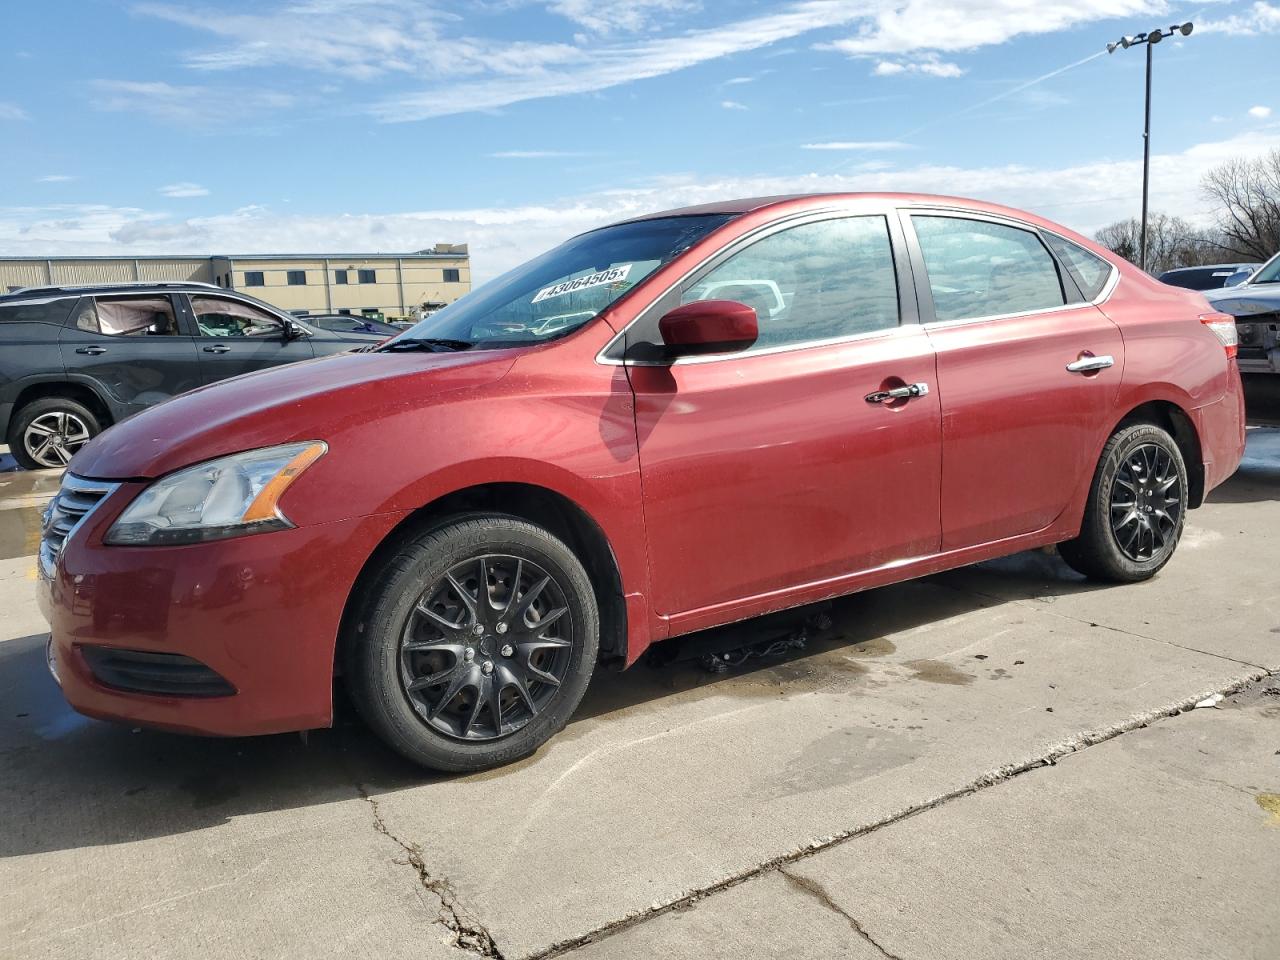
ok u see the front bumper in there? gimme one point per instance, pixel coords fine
(261, 611)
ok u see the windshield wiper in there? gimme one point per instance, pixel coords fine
(433, 344)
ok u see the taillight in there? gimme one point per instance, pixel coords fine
(1223, 326)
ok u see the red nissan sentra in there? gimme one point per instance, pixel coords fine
(659, 426)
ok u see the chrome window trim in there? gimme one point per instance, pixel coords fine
(795, 220)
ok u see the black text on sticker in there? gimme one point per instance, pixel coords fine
(612, 275)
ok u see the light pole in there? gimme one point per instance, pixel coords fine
(1150, 40)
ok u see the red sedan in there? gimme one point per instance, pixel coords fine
(659, 426)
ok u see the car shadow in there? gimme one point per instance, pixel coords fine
(70, 782)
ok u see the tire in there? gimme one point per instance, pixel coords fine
(413, 624)
(74, 425)
(1142, 469)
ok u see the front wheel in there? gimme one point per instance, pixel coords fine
(1136, 509)
(474, 643)
(46, 433)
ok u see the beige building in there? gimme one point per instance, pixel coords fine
(395, 285)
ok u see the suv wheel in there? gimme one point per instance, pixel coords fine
(1136, 509)
(46, 433)
(474, 644)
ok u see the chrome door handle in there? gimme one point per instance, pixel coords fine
(899, 393)
(219, 348)
(1086, 364)
(91, 351)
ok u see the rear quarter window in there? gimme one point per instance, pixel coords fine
(1088, 270)
(52, 312)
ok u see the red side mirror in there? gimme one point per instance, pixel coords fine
(709, 326)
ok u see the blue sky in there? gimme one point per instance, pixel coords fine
(326, 125)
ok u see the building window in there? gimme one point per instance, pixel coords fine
(253, 278)
(369, 311)
(300, 313)
(452, 275)
(368, 276)
(340, 277)
(346, 312)
(296, 278)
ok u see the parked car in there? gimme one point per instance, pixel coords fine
(1255, 305)
(464, 527)
(74, 360)
(1211, 277)
(350, 323)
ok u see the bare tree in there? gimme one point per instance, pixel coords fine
(1246, 194)
(1171, 242)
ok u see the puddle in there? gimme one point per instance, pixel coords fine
(20, 532)
(938, 671)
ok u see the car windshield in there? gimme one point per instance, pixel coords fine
(1270, 272)
(556, 293)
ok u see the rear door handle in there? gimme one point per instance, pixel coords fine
(1087, 364)
(91, 351)
(218, 348)
(899, 393)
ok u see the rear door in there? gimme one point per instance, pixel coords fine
(130, 347)
(233, 337)
(1028, 373)
(768, 469)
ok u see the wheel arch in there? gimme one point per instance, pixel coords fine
(540, 505)
(71, 390)
(1172, 417)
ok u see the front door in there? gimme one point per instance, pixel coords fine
(769, 469)
(130, 347)
(234, 337)
(1019, 427)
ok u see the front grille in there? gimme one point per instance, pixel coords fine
(76, 499)
(163, 674)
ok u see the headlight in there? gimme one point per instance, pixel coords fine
(228, 497)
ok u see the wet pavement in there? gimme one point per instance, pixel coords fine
(998, 761)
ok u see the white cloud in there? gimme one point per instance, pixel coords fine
(184, 190)
(503, 237)
(188, 104)
(929, 64)
(55, 178)
(734, 81)
(1260, 113)
(733, 105)
(1260, 18)
(611, 16)
(534, 154)
(11, 111)
(856, 145)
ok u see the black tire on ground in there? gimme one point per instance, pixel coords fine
(413, 624)
(72, 422)
(1141, 484)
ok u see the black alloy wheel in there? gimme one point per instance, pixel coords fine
(1146, 502)
(486, 647)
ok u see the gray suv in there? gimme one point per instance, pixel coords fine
(74, 360)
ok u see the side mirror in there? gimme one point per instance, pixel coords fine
(708, 326)
(291, 330)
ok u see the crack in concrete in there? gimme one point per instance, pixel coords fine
(468, 933)
(1047, 758)
(818, 892)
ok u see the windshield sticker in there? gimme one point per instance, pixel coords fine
(612, 275)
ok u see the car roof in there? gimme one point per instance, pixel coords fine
(800, 200)
(88, 289)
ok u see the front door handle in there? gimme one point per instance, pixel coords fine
(91, 351)
(218, 348)
(1089, 364)
(899, 393)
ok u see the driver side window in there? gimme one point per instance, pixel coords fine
(216, 317)
(817, 281)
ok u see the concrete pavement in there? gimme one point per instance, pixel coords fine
(991, 761)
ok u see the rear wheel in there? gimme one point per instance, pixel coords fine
(1136, 510)
(475, 643)
(46, 433)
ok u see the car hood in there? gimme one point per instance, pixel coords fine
(299, 401)
(1245, 301)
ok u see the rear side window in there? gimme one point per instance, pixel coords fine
(128, 317)
(54, 311)
(1089, 270)
(817, 281)
(982, 269)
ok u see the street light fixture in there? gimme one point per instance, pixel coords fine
(1149, 40)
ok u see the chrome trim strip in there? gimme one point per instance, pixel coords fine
(101, 489)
